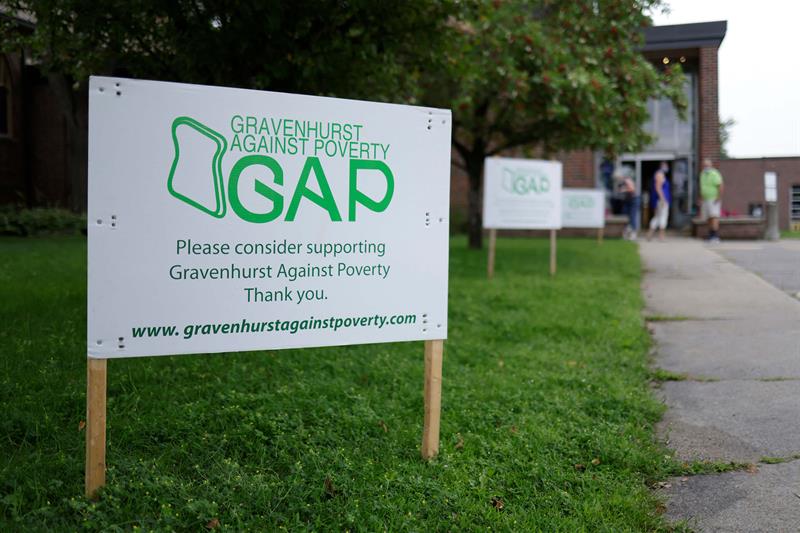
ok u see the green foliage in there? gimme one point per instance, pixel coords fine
(566, 75)
(666, 318)
(547, 74)
(778, 460)
(659, 374)
(546, 408)
(40, 221)
(725, 127)
(358, 48)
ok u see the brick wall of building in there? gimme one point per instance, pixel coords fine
(48, 151)
(12, 147)
(744, 183)
(33, 165)
(708, 106)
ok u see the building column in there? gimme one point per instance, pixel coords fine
(708, 116)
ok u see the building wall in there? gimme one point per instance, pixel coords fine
(708, 106)
(47, 156)
(33, 166)
(12, 147)
(744, 183)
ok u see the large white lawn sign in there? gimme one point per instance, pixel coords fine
(230, 220)
(521, 194)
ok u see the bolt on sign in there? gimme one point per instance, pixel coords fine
(583, 208)
(231, 220)
(521, 194)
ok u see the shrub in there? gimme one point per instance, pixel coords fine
(40, 221)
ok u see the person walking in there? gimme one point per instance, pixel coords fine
(630, 204)
(711, 187)
(660, 200)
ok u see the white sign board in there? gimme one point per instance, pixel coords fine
(770, 186)
(583, 208)
(231, 220)
(521, 194)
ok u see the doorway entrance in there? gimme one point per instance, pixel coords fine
(642, 167)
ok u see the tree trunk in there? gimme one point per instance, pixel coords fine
(474, 207)
(74, 105)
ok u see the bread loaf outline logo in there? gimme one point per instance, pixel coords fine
(220, 208)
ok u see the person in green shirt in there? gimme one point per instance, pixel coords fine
(711, 187)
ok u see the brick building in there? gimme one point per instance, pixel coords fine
(33, 154)
(682, 143)
(744, 188)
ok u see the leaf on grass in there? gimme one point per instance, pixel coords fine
(213, 523)
(580, 467)
(514, 429)
(497, 503)
(81, 425)
(330, 489)
(572, 363)
(460, 443)
(383, 426)
(500, 363)
(596, 461)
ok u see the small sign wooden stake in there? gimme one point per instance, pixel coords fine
(433, 398)
(492, 248)
(552, 252)
(600, 235)
(96, 373)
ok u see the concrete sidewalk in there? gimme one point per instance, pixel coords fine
(737, 337)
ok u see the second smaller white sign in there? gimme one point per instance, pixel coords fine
(521, 194)
(583, 208)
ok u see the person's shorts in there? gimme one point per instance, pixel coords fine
(712, 209)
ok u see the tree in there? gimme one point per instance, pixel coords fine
(552, 74)
(725, 127)
(354, 48)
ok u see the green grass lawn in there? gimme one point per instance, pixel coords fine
(788, 234)
(546, 412)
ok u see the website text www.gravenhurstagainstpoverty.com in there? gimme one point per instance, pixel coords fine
(271, 326)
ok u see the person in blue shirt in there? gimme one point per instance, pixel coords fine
(660, 198)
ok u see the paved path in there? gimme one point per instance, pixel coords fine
(776, 262)
(737, 337)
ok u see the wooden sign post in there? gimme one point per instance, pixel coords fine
(96, 376)
(492, 248)
(552, 252)
(433, 398)
(600, 235)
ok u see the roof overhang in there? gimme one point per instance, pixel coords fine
(680, 36)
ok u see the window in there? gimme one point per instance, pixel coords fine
(794, 206)
(670, 132)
